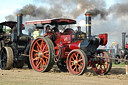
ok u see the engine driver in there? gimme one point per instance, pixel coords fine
(55, 29)
(47, 28)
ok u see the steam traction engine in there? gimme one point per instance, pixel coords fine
(73, 51)
(122, 56)
(14, 46)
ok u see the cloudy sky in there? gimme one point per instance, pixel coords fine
(7, 7)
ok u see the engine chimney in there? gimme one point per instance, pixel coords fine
(123, 40)
(19, 24)
(88, 25)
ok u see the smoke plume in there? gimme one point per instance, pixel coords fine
(57, 9)
(116, 22)
(120, 9)
(102, 12)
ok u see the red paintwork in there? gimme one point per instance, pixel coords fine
(104, 37)
(66, 38)
(65, 43)
(47, 34)
(74, 45)
(31, 41)
(126, 45)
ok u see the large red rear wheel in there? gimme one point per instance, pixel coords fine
(103, 64)
(41, 54)
(77, 62)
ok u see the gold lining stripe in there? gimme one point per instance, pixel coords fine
(88, 24)
(18, 14)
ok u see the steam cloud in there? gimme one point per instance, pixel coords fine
(116, 22)
(61, 8)
(112, 20)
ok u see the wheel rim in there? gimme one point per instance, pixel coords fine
(1, 44)
(103, 65)
(6, 58)
(39, 55)
(3, 59)
(76, 63)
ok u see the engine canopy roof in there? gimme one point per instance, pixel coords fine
(60, 21)
(10, 24)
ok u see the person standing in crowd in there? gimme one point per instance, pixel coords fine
(36, 33)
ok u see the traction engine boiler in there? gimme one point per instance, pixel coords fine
(72, 51)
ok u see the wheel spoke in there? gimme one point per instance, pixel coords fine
(38, 64)
(74, 68)
(72, 61)
(72, 64)
(80, 67)
(35, 51)
(104, 67)
(45, 57)
(45, 52)
(102, 70)
(3, 60)
(42, 44)
(72, 58)
(38, 48)
(44, 47)
(36, 58)
(80, 60)
(38, 44)
(76, 55)
(44, 63)
(97, 65)
(46, 60)
(35, 55)
(101, 67)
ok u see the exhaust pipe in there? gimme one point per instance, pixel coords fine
(88, 25)
(19, 24)
(123, 40)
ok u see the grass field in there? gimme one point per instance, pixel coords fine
(119, 65)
